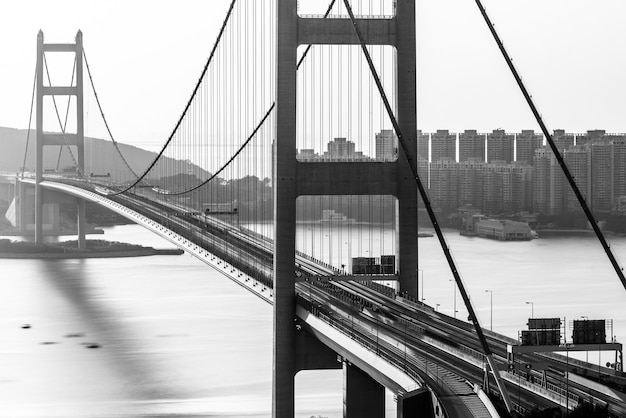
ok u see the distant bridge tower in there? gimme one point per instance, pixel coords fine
(293, 179)
(61, 139)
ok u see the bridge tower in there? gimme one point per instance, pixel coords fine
(67, 139)
(293, 179)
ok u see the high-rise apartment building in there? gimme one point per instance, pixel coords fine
(526, 143)
(548, 181)
(522, 183)
(499, 146)
(601, 176)
(386, 145)
(340, 149)
(496, 190)
(471, 146)
(471, 182)
(443, 192)
(619, 166)
(562, 140)
(593, 135)
(422, 145)
(443, 145)
(507, 188)
(578, 160)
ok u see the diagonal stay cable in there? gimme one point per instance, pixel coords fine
(570, 179)
(256, 129)
(30, 119)
(193, 95)
(106, 124)
(444, 246)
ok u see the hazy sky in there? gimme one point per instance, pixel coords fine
(146, 55)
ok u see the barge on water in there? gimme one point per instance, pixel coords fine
(499, 229)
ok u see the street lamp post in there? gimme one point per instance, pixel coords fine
(421, 280)
(330, 248)
(490, 309)
(532, 309)
(454, 289)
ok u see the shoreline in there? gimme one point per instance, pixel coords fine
(111, 254)
(69, 249)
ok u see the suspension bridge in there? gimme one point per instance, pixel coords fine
(267, 141)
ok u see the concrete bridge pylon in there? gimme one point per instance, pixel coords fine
(76, 139)
(292, 179)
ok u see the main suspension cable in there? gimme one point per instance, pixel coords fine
(189, 102)
(251, 136)
(106, 124)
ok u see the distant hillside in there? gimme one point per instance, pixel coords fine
(100, 156)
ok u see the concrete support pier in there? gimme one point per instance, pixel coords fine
(363, 397)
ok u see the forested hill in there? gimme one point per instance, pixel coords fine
(100, 155)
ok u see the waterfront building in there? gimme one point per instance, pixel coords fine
(499, 146)
(526, 143)
(443, 145)
(499, 229)
(471, 146)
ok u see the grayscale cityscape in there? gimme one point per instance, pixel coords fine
(250, 209)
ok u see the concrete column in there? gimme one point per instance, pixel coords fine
(363, 397)
(81, 223)
(407, 109)
(418, 404)
(39, 144)
(284, 182)
(80, 130)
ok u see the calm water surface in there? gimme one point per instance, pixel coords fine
(179, 339)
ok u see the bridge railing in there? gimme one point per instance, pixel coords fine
(409, 363)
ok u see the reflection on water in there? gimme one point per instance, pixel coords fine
(175, 339)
